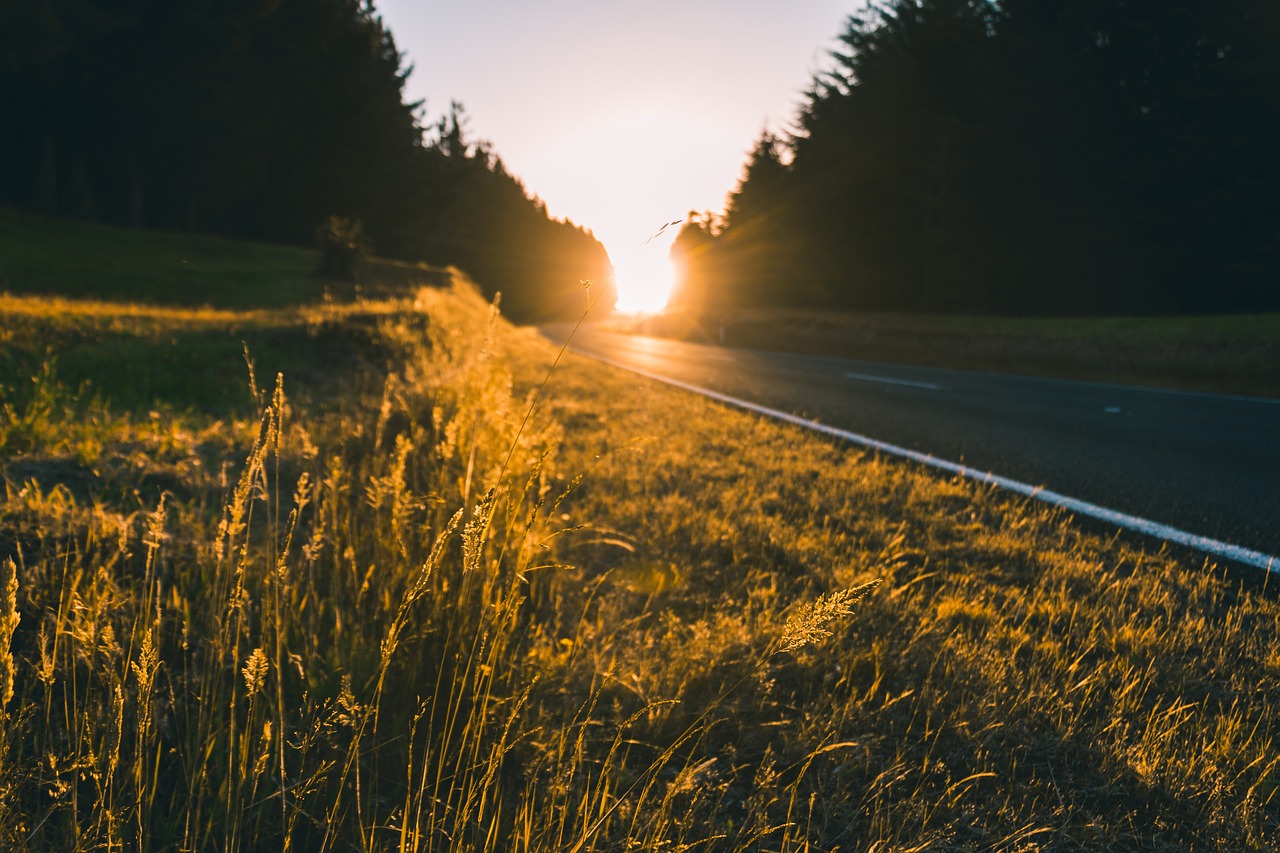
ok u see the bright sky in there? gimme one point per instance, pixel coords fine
(621, 116)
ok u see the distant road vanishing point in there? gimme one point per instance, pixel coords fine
(1199, 469)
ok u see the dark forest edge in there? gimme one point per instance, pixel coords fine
(1020, 157)
(263, 121)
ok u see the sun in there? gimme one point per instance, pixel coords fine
(644, 278)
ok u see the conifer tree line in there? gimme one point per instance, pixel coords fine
(262, 119)
(1019, 156)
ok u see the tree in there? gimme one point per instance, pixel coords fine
(262, 119)
(699, 283)
(475, 215)
(1024, 156)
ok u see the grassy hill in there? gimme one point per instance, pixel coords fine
(418, 596)
(51, 257)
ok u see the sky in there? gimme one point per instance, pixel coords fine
(620, 116)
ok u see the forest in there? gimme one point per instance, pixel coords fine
(263, 119)
(1015, 157)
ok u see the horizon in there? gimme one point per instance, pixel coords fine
(613, 135)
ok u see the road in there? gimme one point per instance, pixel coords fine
(1202, 463)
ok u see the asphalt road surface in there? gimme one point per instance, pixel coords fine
(1205, 464)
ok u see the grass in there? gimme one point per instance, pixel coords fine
(337, 625)
(137, 355)
(1020, 682)
(81, 260)
(403, 601)
(1219, 354)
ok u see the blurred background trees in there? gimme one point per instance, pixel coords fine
(1021, 156)
(262, 119)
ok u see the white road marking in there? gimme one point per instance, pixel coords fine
(1204, 544)
(867, 377)
(1112, 410)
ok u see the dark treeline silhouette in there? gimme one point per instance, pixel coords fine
(262, 119)
(1097, 156)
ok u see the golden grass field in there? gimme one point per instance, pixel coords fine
(415, 595)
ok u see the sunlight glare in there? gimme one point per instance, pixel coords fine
(644, 278)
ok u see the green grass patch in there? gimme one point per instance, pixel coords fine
(1219, 354)
(80, 260)
(139, 356)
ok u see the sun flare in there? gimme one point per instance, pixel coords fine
(644, 279)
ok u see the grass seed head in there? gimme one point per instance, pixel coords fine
(9, 619)
(255, 671)
(808, 625)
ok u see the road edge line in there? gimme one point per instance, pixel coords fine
(1204, 544)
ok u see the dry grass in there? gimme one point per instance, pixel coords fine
(388, 612)
(1019, 682)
